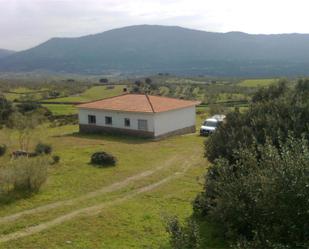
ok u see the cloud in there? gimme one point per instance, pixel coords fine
(25, 23)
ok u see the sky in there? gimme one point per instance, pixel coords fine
(27, 23)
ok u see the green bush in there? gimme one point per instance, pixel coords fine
(2, 149)
(183, 237)
(42, 148)
(103, 159)
(26, 174)
(263, 196)
(6, 109)
(56, 159)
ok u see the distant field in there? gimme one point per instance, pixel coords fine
(94, 93)
(257, 82)
(60, 109)
(22, 92)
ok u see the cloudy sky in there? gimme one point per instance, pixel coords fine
(26, 23)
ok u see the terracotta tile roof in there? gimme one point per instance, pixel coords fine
(139, 103)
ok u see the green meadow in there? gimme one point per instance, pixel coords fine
(93, 93)
(257, 82)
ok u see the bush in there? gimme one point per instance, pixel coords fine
(2, 149)
(55, 159)
(6, 109)
(183, 237)
(43, 149)
(262, 197)
(27, 107)
(103, 159)
(23, 175)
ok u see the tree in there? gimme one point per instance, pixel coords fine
(148, 81)
(25, 124)
(6, 109)
(104, 80)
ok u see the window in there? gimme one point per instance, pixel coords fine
(91, 119)
(142, 124)
(127, 122)
(108, 120)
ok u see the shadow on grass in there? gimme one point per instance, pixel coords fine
(13, 196)
(110, 137)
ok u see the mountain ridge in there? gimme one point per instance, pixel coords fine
(156, 48)
(5, 52)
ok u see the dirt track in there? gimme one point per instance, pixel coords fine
(113, 187)
(92, 210)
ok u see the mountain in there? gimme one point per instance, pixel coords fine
(152, 49)
(5, 53)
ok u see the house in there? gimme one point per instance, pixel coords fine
(138, 115)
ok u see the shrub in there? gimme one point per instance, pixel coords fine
(55, 159)
(183, 237)
(103, 159)
(43, 149)
(28, 107)
(26, 174)
(2, 149)
(6, 109)
(263, 196)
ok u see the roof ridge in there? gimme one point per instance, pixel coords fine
(150, 103)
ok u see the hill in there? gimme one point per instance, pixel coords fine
(5, 53)
(152, 49)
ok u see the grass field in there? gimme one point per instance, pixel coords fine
(61, 109)
(93, 93)
(22, 92)
(81, 206)
(257, 82)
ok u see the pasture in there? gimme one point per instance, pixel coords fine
(81, 206)
(257, 82)
(93, 93)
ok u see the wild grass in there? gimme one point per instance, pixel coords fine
(257, 82)
(93, 93)
(61, 109)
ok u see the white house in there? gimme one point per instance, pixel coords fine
(138, 114)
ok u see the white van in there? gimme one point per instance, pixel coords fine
(211, 124)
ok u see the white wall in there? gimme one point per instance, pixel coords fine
(118, 118)
(165, 122)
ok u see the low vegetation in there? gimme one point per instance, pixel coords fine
(24, 174)
(43, 149)
(3, 149)
(262, 197)
(103, 159)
